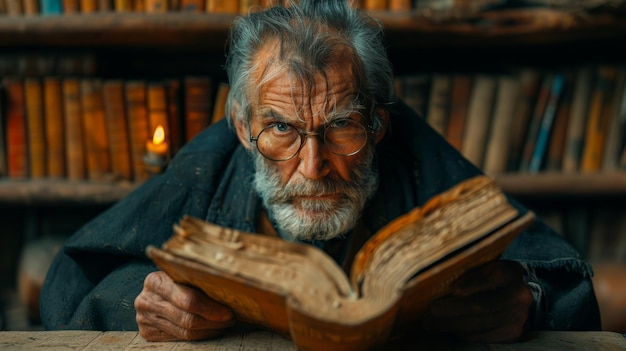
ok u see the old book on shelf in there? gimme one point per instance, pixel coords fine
(439, 102)
(175, 122)
(117, 128)
(534, 124)
(54, 126)
(530, 79)
(31, 7)
(196, 5)
(617, 123)
(219, 106)
(138, 126)
(556, 145)
(156, 6)
(575, 135)
(71, 7)
(459, 101)
(95, 129)
(198, 92)
(497, 148)
(598, 119)
(479, 115)
(33, 97)
(15, 122)
(298, 290)
(74, 134)
(51, 7)
(88, 6)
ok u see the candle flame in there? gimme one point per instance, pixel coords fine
(159, 135)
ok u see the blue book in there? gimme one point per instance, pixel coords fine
(546, 124)
(51, 7)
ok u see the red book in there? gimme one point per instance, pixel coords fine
(17, 148)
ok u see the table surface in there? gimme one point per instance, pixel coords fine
(258, 340)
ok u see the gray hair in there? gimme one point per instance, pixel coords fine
(307, 32)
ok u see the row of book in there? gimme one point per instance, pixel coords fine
(99, 129)
(59, 7)
(530, 120)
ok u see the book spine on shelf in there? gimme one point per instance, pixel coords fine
(74, 137)
(198, 92)
(138, 125)
(535, 122)
(195, 5)
(157, 6)
(556, 145)
(459, 101)
(71, 7)
(174, 116)
(94, 122)
(51, 7)
(221, 6)
(117, 129)
(35, 127)
(31, 7)
(574, 137)
(17, 148)
(219, 106)
(55, 128)
(439, 102)
(88, 6)
(479, 118)
(14, 7)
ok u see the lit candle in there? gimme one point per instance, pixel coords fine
(157, 151)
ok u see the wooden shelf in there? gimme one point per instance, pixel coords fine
(60, 192)
(403, 29)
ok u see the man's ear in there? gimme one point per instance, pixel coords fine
(242, 131)
(382, 114)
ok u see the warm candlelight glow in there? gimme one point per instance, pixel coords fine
(159, 135)
(158, 145)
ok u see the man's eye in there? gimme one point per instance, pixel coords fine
(281, 128)
(340, 123)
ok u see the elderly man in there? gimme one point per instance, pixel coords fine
(318, 151)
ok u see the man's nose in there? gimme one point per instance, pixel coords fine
(313, 161)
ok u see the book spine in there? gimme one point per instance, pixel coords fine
(31, 7)
(17, 148)
(174, 116)
(219, 109)
(94, 122)
(139, 5)
(371, 5)
(615, 132)
(535, 122)
(400, 5)
(35, 127)
(478, 118)
(88, 6)
(561, 120)
(156, 6)
(105, 5)
(439, 102)
(74, 142)
(500, 135)
(574, 138)
(71, 7)
(55, 129)
(198, 97)
(220, 6)
(117, 129)
(546, 125)
(14, 7)
(459, 100)
(597, 122)
(194, 5)
(51, 7)
(138, 125)
(124, 5)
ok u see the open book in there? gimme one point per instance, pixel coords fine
(298, 290)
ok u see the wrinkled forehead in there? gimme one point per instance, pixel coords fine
(330, 81)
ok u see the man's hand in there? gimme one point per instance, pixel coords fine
(170, 311)
(487, 304)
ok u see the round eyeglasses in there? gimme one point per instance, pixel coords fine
(281, 141)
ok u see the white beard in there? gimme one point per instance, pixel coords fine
(319, 219)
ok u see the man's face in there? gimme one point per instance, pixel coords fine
(316, 194)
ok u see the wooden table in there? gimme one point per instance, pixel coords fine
(94, 340)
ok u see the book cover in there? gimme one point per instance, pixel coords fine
(574, 138)
(117, 128)
(545, 127)
(530, 80)
(299, 291)
(51, 7)
(17, 147)
(74, 135)
(35, 132)
(496, 150)
(534, 124)
(138, 126)
(617, 124)
(479, 115)
(459, 101)
(198, 95)
(556, 145)
(174, 118)
(439, 102)
(222, 6)
(195, 5)
(95, 129)
(71, 7)
(55, 128)
(598, 119)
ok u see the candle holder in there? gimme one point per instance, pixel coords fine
(155, 162)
